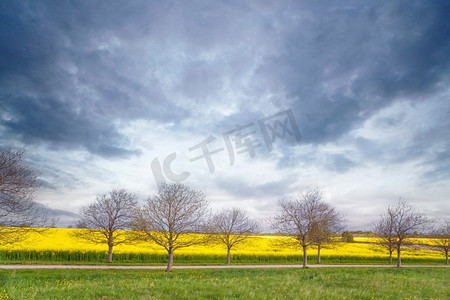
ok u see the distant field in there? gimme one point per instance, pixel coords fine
(339, 283)
(56, 246)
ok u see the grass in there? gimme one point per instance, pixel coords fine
(99, 257)
(332, 283)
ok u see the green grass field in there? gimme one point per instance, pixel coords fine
(331, 283)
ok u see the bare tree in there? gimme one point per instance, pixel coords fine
(20, 215)
(384, 231)
(105, 220)
(404, 222)
(326, 228)
(442, 235)
(299, 219)
(232, 227)
(173, 218)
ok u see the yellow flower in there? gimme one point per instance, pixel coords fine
(56, 240)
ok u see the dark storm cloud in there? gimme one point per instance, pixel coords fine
(63, 84)
(349, 60)
(71, 70)
(53, 121)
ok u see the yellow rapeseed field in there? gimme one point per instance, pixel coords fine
(59, 239)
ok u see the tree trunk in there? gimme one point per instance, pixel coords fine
(305, 257)
(446, 257)
(399, 257)
(110, 253)
(228, 255)
(170, 263)
(318, 254)
(390, 257)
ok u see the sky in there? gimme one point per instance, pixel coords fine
(353, 97)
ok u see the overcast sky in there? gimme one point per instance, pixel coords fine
(97, 90)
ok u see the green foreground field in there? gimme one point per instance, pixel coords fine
(333, 283)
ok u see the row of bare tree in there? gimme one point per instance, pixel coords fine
(400, 224)
(178, 216)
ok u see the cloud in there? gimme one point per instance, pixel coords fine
(58, 87)
(96, 90)
(344, 64)
(50, 120)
